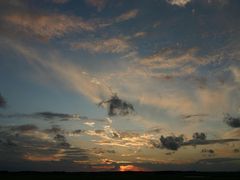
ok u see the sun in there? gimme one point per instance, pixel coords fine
(123, 168)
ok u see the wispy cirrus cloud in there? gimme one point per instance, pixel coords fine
(55, 25)
(73, 77)
(112, 45)
(170, 63)
(48, 25)
(127, 15)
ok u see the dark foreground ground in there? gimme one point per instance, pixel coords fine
(120, 175)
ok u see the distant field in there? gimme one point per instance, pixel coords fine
(121, 175)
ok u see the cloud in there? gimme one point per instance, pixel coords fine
(217, 160)
(61, 116)
(209, 151)
(139, 34)
(61, 140)
(3, 102)
(206, 142)
(193, 115)
(112, 45)
(233, 133)
(99, 4)
(236, 73)
(127, 15)
(91, 124)
(24, 128)
(233, 122)
(172, 142)
(175, 142)
(236, 150)
(117, 106)
(50, 116)
(31, 145)
(55, 129)
(172, 63)
(199, 136)
(180, 3)
(48, 26)
(70, 75)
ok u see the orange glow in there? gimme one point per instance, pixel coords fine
(103, 168)
(41, 158)
(130, 168)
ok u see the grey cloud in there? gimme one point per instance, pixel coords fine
(210, 151)
(199, 136)
(78, 131)
(61, 140)
(47, 116)
(33, 147)
(206, 142)
(111, 151)
(117, 106)
(54, 130)
(24, 128)
(175, 142)
(217, 160)
(3, 102)
(236, 150)
(232, 121)
(99, 131)
(62, 116)
(169, 153)
(100, 151)
(193, 115)
(172, 142)
(154, 130)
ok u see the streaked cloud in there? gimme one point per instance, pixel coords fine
(176, 142)
(112, 45)
(73, 77)
(48, 26)
(127, 15)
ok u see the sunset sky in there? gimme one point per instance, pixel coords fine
(119, 85)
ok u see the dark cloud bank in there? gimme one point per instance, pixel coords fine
(175, 142)
(233, 122)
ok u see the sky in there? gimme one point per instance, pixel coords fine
(119, 85)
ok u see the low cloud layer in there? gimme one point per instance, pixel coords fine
(32, 144)
(199, 138)
(46, 116)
